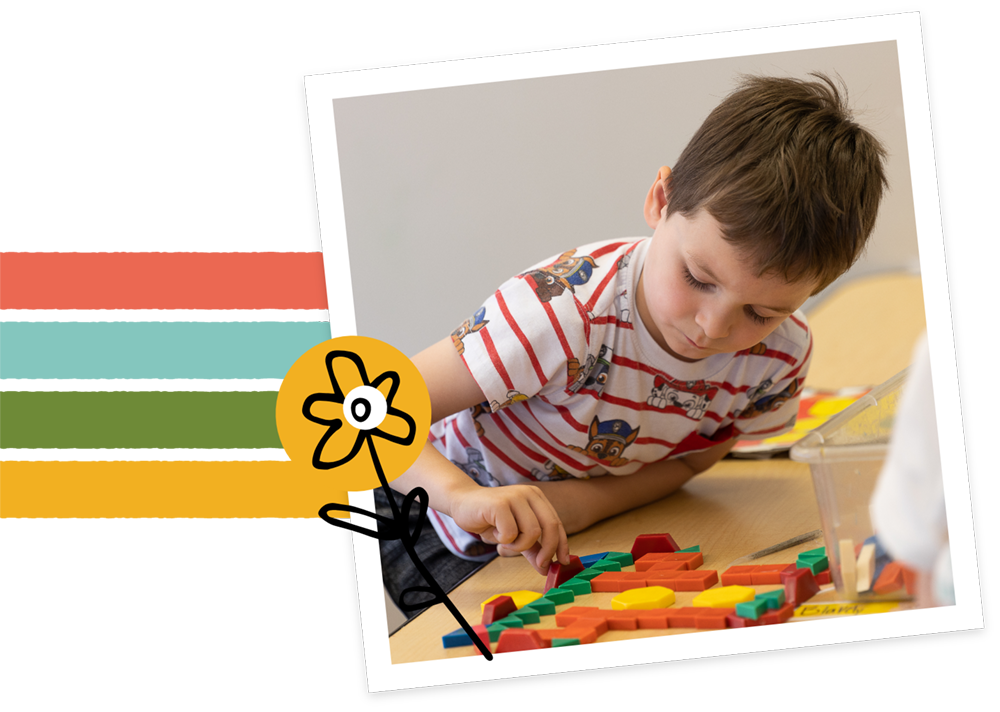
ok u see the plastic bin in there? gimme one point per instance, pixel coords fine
(845, 457)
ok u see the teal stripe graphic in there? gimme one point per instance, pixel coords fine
(264, 349)
(126, 419)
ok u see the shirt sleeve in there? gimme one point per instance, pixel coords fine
(525, 335)
(773, 405)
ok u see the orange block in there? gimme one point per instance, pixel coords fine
(699, 580)
(607, 582)
(778, 616)
(769, 574)
(663, 566)
(691, 559)
(653, 618)
(891, 579)
(570, 615)
(738, 576)
(712, 618)
(683, 617)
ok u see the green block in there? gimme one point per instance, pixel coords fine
(606, 564)
(544, 606)
(495, 629)
(510, 622)
(813, 564)
(563, 642)
(775, 599)
(819, 551)
(528, 615)
(578, 586)
(690, 550)
(751, 609)
(559, 595)
(622, 557)
(588, 574)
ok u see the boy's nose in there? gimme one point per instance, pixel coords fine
(714, 324)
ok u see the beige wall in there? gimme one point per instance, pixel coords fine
(447, 192)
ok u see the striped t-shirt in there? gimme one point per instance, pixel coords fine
(576, 386)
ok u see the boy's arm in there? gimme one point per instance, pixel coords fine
(518, 518)
(581, 503)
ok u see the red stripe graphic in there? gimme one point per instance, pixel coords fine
(557, 327)
(600, 252)
(491, 349)
(805, 358)
(502, 303)
(604, 282)
(507, 461)
(502, 426)
(553, 452)
(566, 415)
(458, 433)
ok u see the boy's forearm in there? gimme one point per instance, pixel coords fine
(581, 503)
(438, 476)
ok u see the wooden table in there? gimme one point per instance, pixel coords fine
(736, 508)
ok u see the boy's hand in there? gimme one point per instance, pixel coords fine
(519, 519)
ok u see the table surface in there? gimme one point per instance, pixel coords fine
(734, 509)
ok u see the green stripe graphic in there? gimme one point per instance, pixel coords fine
(123, 419)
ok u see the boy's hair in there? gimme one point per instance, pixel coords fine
(793, 181)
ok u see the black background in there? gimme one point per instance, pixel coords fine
(230, 79)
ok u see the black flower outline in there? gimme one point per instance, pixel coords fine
(338, 395)
(395, 527)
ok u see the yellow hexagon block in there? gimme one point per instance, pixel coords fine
(725, 597)
(521, 598)
(641, 599)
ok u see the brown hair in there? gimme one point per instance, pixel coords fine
(793, 181)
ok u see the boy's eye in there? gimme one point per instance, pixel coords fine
(757, 318)
(689, 278)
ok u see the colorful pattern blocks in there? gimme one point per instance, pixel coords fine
(725, 597)
(618, 581)
(815, 560)
(657, 618)
(521, 598)
(497, 608)
(459, 638)
(646, 543)
(685, 560)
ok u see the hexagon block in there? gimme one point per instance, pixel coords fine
(643, 599)
(725, 597)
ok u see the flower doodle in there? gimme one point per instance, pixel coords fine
(365, 408)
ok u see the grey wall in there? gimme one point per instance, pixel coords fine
(447, 192)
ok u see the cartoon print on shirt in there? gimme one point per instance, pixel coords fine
(622, 306)
(758, 349)
(693, 397)
(512, 397)
(594, 375)
(477, 410)
(476, 468)
(568, 272)
(759, 390)
(550, 472)
(608, 441)
(467, 327)
(769, 403)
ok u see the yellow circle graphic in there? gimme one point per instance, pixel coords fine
(346, 397)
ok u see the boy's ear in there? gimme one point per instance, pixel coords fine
(657, 197)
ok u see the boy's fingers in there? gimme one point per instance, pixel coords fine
(506, 526)
(553, 540)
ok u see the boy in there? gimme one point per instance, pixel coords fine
(607, 377)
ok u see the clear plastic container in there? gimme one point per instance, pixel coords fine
(845, 456)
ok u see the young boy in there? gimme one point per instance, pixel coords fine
(608, 376)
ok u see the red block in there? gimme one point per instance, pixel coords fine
(645, 543)
(700, 580)
(559, 574)
(735, 621)
(800, 586)
(738, 576)
(824, 577)
(692, 559)
(584, 633)
(778, 616)
(514, 639)
(909, 579)
(484, 635)
(498, 608)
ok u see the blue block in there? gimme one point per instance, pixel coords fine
(588, 560)
(456, 639)
(881, 557)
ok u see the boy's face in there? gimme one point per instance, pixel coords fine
(698, 297)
